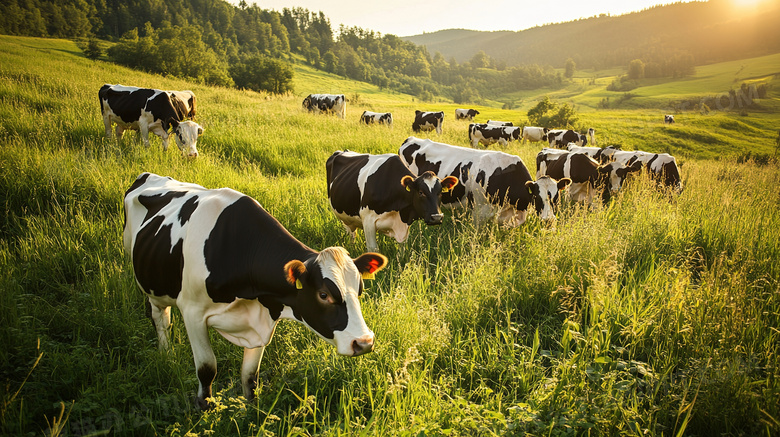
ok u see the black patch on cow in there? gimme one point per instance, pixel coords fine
(457, 192)
(408, 152)
(508, 185)
(430, 118)
(157, 262)
(341, 175)
(187, 209)
(157, 202)
(206, 375)
(128, 105)
(245, 255)
(140, 180)
(323, 317)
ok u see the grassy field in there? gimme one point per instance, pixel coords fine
(652, 315)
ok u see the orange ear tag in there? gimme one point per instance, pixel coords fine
(367, 275)
(298, 284)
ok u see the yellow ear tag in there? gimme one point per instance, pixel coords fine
(366, 275)
(408, 189)
(298, 284)
(445, 190)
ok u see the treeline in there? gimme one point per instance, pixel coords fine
(217, 43)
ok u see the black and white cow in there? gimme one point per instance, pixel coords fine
(228, 264)
(497, 184)
(499, 123)
(535, 134)
(487, 134)
(379, 193)
(146, 110)
(561, 138)
(592, 136)
(465, 114)
(588, 178)
(668, 119)
(428, 121)
(663, 168)
(594, 152)
(369, 118)
(326, 103)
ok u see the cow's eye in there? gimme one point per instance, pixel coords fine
(324, 296)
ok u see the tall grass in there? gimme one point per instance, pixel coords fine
(656, 314)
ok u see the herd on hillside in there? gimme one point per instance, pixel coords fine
(226, 263)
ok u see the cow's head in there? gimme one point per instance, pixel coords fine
(545, 194)
(187, 134)
(614, 173)
(327, 300)
(425, 195)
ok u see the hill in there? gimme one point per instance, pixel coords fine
(711, 31)
(655, 314)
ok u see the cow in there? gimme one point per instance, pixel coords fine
(499, 123)
(369, 117)
(587, 176)
(663, 169)
(560, 138)
(146, 109)
(668, 119)
(535, 134)
(592, 136)
(487, 134)
(326, 103)
(227, 264)
(379, 193)
(498, 185)
(465, 114)
(427, 121)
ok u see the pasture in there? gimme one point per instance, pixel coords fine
(652, 315)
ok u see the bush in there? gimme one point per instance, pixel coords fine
(550, 114)
(261, 73)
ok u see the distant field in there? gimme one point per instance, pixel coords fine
(656, 314)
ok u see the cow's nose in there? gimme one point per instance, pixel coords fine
(362, 345)
(193, 155)
(435, 219)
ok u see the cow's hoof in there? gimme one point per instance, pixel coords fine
(202, 404)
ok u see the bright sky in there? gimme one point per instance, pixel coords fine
(412, 17)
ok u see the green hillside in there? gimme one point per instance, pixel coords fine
(655, 314)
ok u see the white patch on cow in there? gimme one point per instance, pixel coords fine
(533, 133)
(548, 189)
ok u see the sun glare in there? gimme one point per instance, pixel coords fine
(747, 4)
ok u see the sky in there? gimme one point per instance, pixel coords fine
(413, 17)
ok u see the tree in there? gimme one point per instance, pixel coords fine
(93, 50)
(261, 73)
(636, 69)
(550, 114)
(569, 68)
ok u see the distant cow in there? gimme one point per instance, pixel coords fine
(535, 134)
(465, 114)
(228, 264)
(561, 138)
(497, 184)
(668, 119)
(146, 110)
(326, 103)
(428, 121)
(588, 178)
(592, 136)
(499, 123)
(487, 134)
(379, 193)
(369, 117)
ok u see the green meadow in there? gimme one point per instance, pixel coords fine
(655, 314)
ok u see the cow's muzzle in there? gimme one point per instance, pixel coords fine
(434, 219)
(362, 345)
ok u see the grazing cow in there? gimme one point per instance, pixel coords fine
(487, 134)
(369, 117)
(587, 176)
(663, 168)
(499, 123)
(668, 119)
(379, 193)
(560, 138)
(535, 134)
(228, 264)
(427, 121)
(335, 103)
(465, 114)
(496, 183)
(594, 152)
(146, 110)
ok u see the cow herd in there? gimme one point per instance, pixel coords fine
(226, 263)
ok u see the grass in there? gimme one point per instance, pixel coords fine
(655, 314)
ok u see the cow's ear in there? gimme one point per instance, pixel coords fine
(200, 131)
(448, 183)
(563, 183)
(293, 272)
(408, 182)
(532, 187)
(369, 263)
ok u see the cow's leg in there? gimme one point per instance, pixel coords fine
(369, 229)
(438, 128)
(144, 128)
(205, 361)
(120, 130)
(161, 319)
(351, 229)
(249, 369)
(107, 123)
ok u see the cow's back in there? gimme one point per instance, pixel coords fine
(125, 102)
(342, 171)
